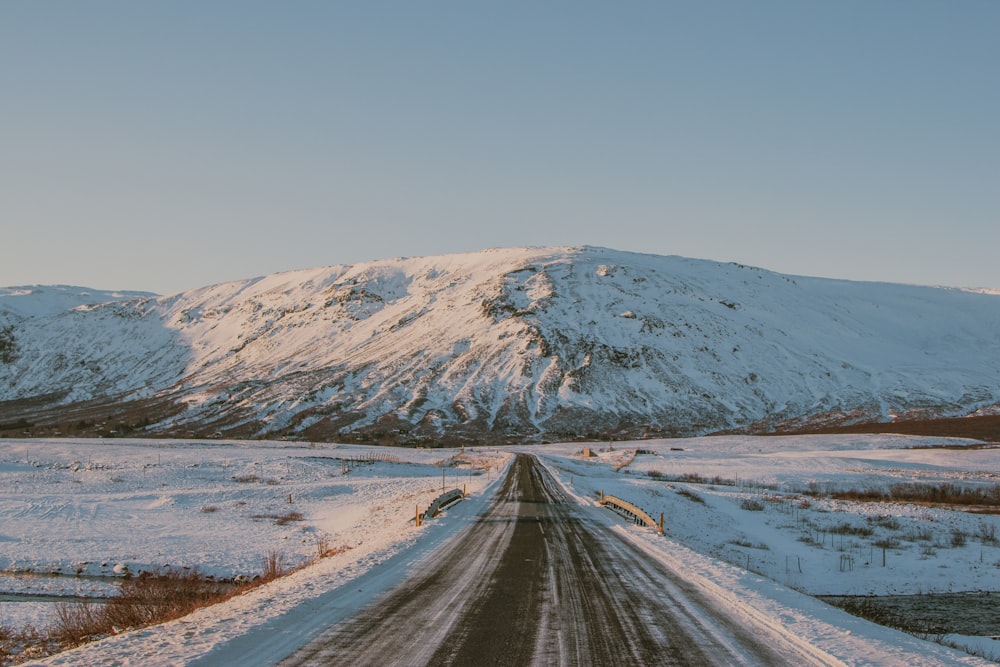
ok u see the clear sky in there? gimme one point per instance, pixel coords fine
(164, 146)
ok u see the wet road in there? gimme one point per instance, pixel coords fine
(534, 581)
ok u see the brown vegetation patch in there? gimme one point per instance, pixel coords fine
(281, 519)
(986, 428)
(979, 499)
(151, 597)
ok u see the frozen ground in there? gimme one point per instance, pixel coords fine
(75, 515)
(87, 510)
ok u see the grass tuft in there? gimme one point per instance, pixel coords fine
(751, 505)
(273, 565)
(691, 495)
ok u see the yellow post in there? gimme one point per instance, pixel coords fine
(661, 522)
(602, 496)
(417, 519)
(463, 490)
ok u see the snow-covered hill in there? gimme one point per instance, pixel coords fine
(536, 343)
(35, 300)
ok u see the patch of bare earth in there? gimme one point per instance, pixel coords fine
(985, 428)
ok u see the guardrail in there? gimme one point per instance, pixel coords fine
(439, 504)
(634, 512)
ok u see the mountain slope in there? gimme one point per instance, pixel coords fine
(515, 343)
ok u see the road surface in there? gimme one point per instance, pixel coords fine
(534, 581)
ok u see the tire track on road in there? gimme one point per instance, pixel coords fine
(536, 580)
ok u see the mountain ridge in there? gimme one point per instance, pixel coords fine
(507, 344)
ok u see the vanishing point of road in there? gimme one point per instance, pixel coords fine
(534, 581)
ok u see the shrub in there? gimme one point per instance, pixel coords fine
(246, 479)
(6, 637)
(692, 478)
(288, 518)
(945, 493)
(160, 596)
(25, 643)
(957, 538)
(151, 597)
(888, 522)
(751, 505)
(281, 519)
(79, 622)
(919, 535)
(695, 478)
(846, 528)
(888, 543)
(273, 565)
(750, 545)
(691, 495)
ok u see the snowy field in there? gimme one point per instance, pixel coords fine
(77, 514)
(760, 518)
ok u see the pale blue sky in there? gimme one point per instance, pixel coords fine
(169, 145)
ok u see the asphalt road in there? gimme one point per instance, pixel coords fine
(534, 581)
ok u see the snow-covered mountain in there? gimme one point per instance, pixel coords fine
(524, 343)
(35, 300)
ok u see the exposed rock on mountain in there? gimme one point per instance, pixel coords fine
(513, 344)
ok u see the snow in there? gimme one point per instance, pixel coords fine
(548, 342)
(82, 512)
(41, 300)
(778, 473)
(87, 509)
(772, 556)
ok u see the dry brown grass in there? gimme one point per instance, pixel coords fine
(334, 551)
(150, 598)
(691, 495)
(273, 565)
(944, 494)
(23, 644)
(281, 519)
(986, 428)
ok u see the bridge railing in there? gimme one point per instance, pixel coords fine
(632, 511)
(441, 502)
